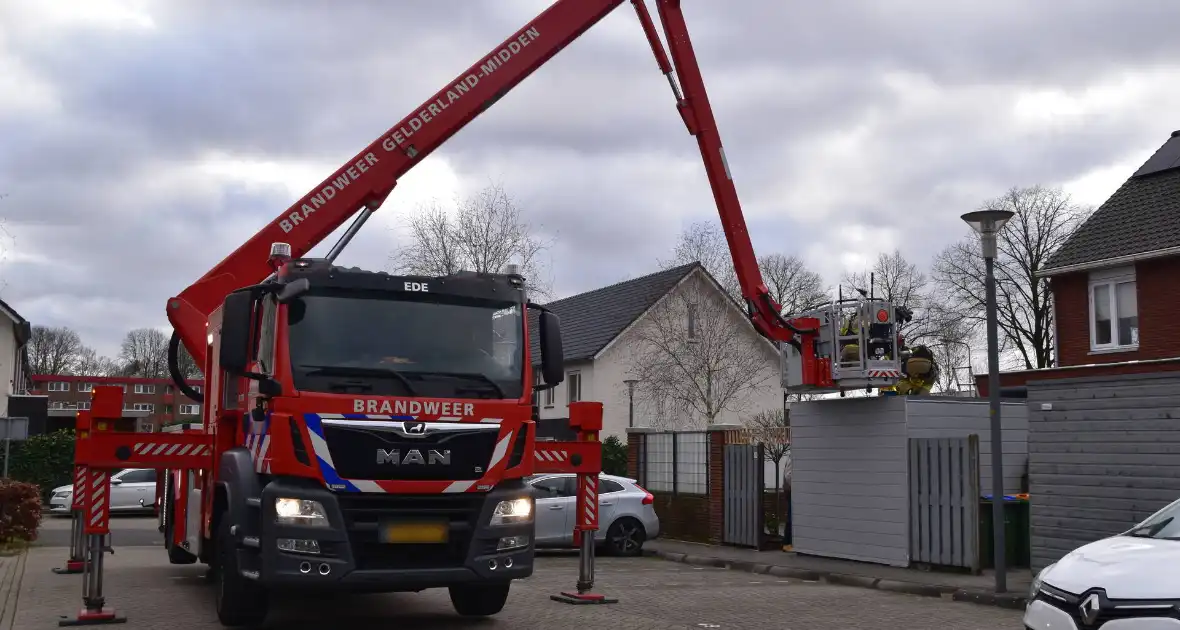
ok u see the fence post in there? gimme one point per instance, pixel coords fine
(637, 454)
(675, 462)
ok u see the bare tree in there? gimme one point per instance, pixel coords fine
(771, 428)
(696, 356)
(950, 341)
(1044, 219)
(54, 350)
(483, 233)
(791, 283)
(144, 353)
(90, 363)
(704, 242)
(902, 283)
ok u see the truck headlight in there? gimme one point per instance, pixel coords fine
(512, 511)
(300, 512)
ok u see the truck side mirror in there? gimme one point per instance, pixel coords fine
(552, 354)
(236, 324)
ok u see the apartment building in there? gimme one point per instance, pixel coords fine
(148, 403)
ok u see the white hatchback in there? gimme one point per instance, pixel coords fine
(132, 490)
(1125, 582)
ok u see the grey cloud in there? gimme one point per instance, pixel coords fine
(591, 144)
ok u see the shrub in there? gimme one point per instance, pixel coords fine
(614, 456)
(20, 510)
(45, 460)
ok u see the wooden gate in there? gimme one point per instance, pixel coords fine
(743, 473)
(944, 501)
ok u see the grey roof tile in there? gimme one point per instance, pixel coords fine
(589, 321)
(1143, 215)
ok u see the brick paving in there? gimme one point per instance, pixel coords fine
(654, 594)
(12, 568)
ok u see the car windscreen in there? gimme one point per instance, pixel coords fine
(381, 344)
(1164, 524)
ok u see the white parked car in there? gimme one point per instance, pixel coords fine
(626, 514)
(128, 487)
(1125, 582)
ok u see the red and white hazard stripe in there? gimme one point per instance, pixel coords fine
(551, 455)
(99, 490)
(166, 448)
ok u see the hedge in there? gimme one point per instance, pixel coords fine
(614, 456)
(46, 461)
(20, 511)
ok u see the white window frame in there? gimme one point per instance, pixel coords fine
(1110, 278)
(190, 410)
(692, 321)
(148, 407)
(85, 387)
(58, 386)
(573, 393)
(145, 388)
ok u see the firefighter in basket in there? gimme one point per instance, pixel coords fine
(919, 372)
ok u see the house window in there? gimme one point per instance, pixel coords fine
(573, 388)
(1114, 310)
(84, 405)
(141, 388)
(148, 407)
(692, 320)
(85, 387)
(190, 410)
(59, 386)
(549, 397)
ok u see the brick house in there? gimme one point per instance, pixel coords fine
(1115, 304)
(148, 403)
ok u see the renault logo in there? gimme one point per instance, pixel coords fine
(1089, 609)
(413, 427)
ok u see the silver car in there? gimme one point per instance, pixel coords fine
(626, 516)
(132, 490)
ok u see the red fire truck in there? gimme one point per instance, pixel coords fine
(372, 432)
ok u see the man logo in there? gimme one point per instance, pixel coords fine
(413, 427)
(414, 457)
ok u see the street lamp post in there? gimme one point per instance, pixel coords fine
(988, 224)
(631, 401)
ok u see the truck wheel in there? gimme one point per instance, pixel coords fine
(240, 601)
(479, 600)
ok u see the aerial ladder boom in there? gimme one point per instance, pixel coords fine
(364, 182)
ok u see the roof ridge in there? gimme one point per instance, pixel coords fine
(681, 270)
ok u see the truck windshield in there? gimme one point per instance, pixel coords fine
(437, 348)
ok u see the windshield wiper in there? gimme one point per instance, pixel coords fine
(473, 376)
(1149, 531)
(345, 370)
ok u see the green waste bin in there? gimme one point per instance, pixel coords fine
(1017, 543)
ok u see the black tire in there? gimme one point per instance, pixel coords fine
(479, 600)
(625, 537)
(240, 601)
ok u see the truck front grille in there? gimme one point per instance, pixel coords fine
(378, 453)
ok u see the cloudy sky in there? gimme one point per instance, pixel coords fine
(142, 141)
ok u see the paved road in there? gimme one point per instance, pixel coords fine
(655, 595)
(126, 531)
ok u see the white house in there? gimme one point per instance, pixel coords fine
(14, 356)
(679, 336)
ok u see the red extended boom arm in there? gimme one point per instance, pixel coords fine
(368, 178)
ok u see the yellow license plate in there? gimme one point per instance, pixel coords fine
(414, 532)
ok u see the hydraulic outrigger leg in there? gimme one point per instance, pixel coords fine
(77, 538)
(583, 457)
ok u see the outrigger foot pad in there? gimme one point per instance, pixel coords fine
(88, 617)
(567, 597)
(72, 567)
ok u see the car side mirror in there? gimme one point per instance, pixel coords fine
(552, 354)
(115, 482)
